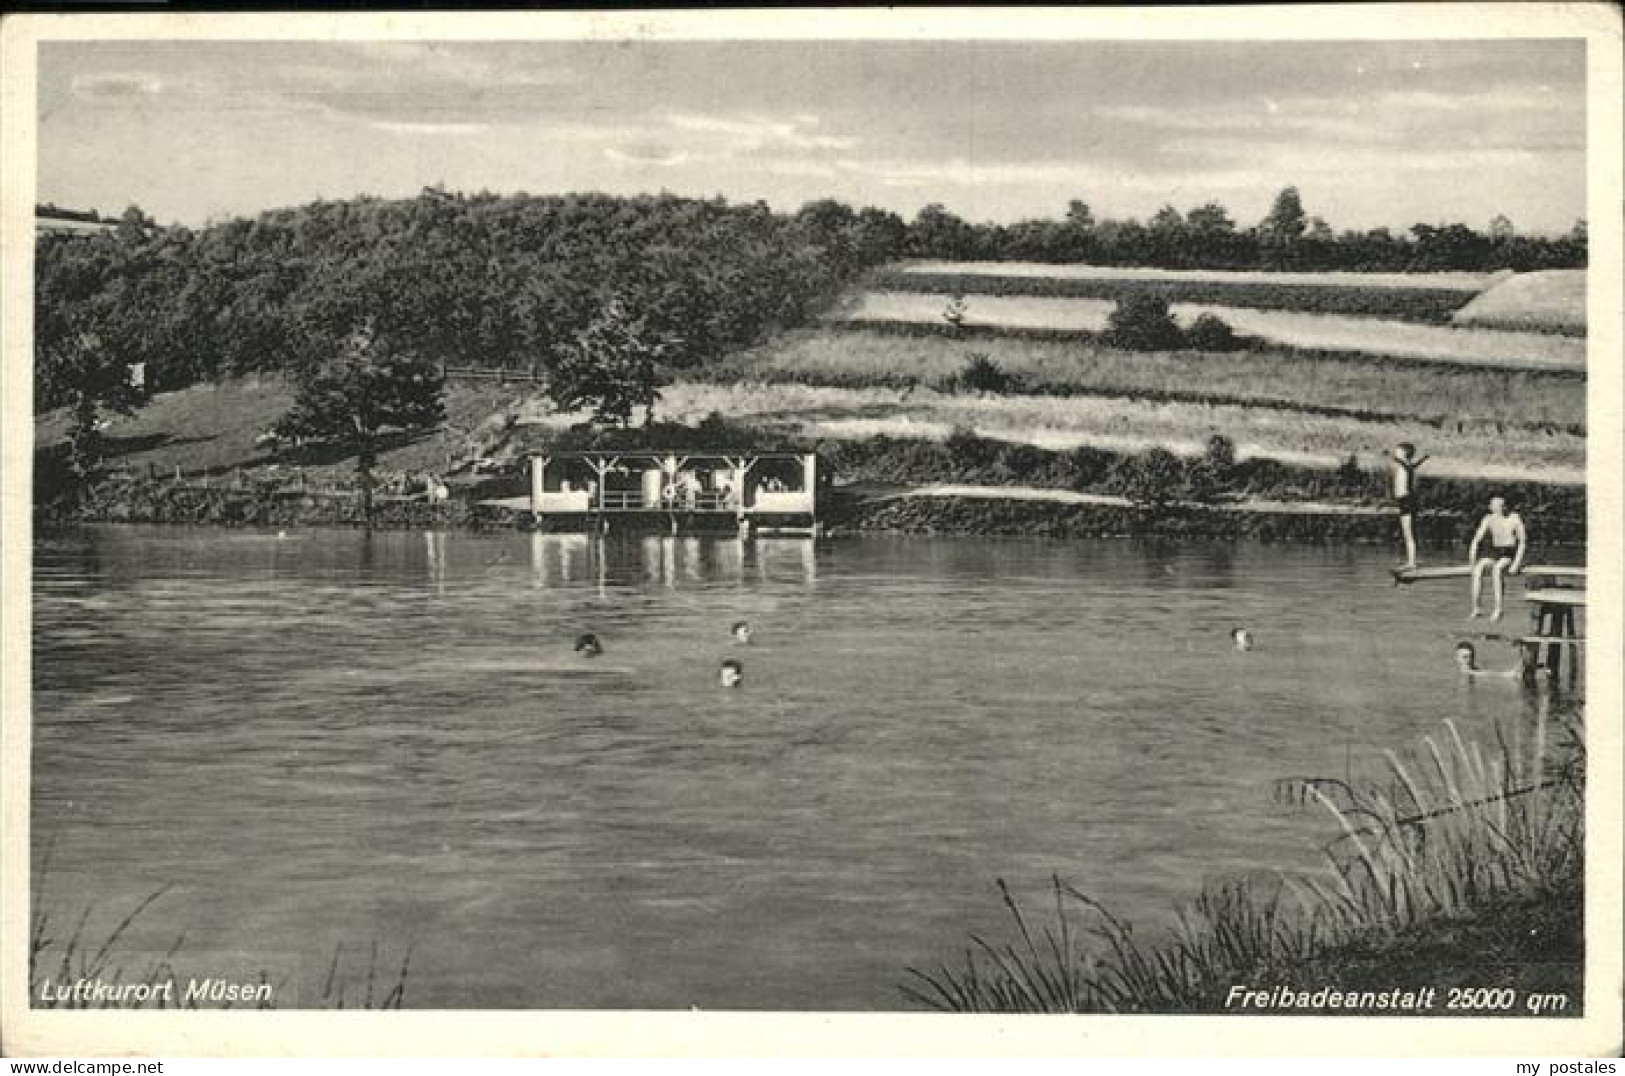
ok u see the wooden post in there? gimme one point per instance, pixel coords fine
(1562, 628)
(1554, 651)
(809, 476)
(538, 472)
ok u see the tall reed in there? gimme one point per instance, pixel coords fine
(67, 952)
(1453, 831)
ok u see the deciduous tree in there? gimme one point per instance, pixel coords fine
(370, 385)
(612, 366)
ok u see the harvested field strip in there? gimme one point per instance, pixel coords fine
(1066, 423)
(1156, 395)
(1448, 281)
(1473, 347)
(1550, 301)
(1430, 306)
(1452, 398)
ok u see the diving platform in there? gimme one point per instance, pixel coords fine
(1553, 615)
(759, 492)
(1555, 595)
(1406, 576)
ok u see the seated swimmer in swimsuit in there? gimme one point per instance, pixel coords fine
(1508, 544)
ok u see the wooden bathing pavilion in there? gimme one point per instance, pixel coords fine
(1556, 596)
(760, 492)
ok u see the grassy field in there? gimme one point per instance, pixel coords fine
(1551, 301)
(1449, 399)
(1126, 425)
(1428, 300)
(1289, 329)
(1498, 425)
(211, 429)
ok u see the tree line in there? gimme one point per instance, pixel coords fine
(482, 279)
(491, 280)
(1208, 237)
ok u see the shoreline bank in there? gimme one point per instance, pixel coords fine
(981, 516)
(917, 511)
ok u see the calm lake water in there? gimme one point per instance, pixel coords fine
(328, 740)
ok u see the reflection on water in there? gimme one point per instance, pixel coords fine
(329, 738)
(562, 560)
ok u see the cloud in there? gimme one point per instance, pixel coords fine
(804, 169)
(1378, 161)
(751, 131)
(1509, 117)
(422, 127)
(116, 85)
(457, 63)
(960, 172)
(647, 154)
(428, 87)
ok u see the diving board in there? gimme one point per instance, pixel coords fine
(1463, 571)
(1554, 611)
(1571, 597)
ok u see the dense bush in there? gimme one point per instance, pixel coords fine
(1219, 455)
(1143, 323)
(1210, 477)
(968, 450)
(966, 457)
(1154, 478)
(951, 515)
(982, 374)
(1209, 333)
(1350, 475)
(1090, 468)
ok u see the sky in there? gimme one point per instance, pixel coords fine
(1372, 133)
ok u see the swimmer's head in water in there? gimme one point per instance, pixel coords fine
(732, 673)
(1241, 638)
(1466, 657)
(587, 645)
(740, 631)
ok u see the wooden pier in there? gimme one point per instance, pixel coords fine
(1553, 612)
(677, 489)
(1556, 597)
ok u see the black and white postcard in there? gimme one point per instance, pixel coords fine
(774, 531)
